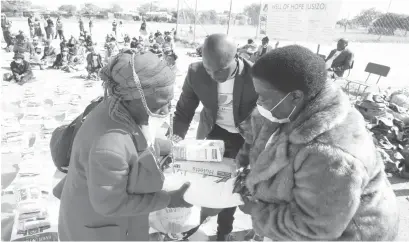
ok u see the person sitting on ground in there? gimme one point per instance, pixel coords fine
(21, 70)
(61, 59)
(63, 44)
(134, 43)
(156, 50)
(142, 41)
(159, 39)
(248, 50)
(94, 64)
(168, 43)
(50, 53)
(340, 59)
(111, 49)
(71, 42)
(23, 46)
(314, 169)
(36, 57)
(151, 39)
(263, 48)
(80, 53)
(170, 58)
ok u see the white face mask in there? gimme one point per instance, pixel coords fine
(155, 124)
(269, 114)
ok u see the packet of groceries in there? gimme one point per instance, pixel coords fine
(199, 150)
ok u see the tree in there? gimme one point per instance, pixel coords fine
(253, 12)
(344, 23)
(388, 23)
(148, 7)
(115, 8)
(68, 8)
(13, 5)
(366, 17)
(187, 16)
(90, 8)
(208, 17)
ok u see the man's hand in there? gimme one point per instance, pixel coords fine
(176, 138)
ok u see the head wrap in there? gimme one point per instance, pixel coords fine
(132, 75)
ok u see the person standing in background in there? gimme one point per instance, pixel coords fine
(37, 28)
(60, 29)
(81, 23)
(30, 21)
(91, 25)
(5, 26)
(44, 24)
(114, 27)
(50, 28)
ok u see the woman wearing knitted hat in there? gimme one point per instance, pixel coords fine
(314, 172)
(114, 181)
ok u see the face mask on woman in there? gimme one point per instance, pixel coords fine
(268, 114)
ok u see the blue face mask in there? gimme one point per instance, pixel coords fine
(268, 114)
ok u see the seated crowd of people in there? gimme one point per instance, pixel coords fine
(79, 54)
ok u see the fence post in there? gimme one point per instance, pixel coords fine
(194, 27)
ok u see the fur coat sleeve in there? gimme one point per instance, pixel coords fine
(325, 183)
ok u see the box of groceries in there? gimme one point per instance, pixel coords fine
(225, 168)
(199, 150)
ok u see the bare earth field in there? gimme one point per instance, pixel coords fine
(62, 96)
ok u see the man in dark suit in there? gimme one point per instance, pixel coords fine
(223, 84)
(340, 59)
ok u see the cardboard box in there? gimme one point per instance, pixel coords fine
(224, 169)
(199, 150)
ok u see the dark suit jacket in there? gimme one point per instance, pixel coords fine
(342, 62)
(199, 87)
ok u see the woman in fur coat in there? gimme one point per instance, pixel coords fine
(314, 173)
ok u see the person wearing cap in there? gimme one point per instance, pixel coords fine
(314, 169)
(222, 82)
(20, 69)
(5, 27)
(340, 59)
(94, 63)
(113, 181)
(50, 53)
(60, 29)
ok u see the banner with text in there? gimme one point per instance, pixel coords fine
(300, 20)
